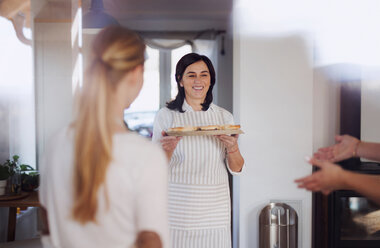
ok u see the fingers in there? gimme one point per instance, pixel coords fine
(309, 183)
(318, 163)
(313, 187)
(170, 138)
(304, 180)
(235, 135)
(169, 143)
(226, 137)
(320, 180)
(169, 146)
(227, 140)
(325, 156)
(163, 133)
(326, 153)
(325, 150)
(338, 138)
(326, 191)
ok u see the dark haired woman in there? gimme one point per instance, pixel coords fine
(199, 197)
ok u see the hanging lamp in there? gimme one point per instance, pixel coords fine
(97, 18)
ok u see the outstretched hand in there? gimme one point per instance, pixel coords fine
(344, 148)
(327, 179)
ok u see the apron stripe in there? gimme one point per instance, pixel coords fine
(199, 198)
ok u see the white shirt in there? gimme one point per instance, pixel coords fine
(136, 184)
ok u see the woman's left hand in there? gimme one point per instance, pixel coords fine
(235, 160)
(230, 142)
(328, 178)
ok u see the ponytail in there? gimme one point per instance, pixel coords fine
(116, 52)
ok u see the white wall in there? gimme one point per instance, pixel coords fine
(370, 108)
(225, 71)
(326, 109)
(53, 69)
(273, 98)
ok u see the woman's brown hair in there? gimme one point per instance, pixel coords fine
(115, 52)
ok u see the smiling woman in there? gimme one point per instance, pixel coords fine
(196, 82)
(189, 71)
(199, 165)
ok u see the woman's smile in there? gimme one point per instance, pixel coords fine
(198, 89)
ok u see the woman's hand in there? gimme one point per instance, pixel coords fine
(230, 142)
(169, 143)
(345, 148)
(327, 179)
(147, 239)
(235, 160)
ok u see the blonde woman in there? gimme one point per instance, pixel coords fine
(103, 186)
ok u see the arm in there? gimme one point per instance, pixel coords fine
(368, 150)
(162, 122)
(367, 185)
(235, 160)
(234, 157)
(332, 177)
(169, 143)
(347, 147)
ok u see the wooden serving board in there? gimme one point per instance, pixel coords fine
(213, 132)
(13, 197)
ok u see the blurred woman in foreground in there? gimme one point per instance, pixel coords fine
(98, 186)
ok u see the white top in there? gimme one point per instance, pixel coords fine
(136, 185)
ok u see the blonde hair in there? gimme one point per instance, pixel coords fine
(116, 51)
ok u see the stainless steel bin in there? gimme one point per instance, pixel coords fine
(278, 226)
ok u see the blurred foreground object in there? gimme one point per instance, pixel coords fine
(18, 12)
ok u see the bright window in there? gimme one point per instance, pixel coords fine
(140, 115)
(149, 97)
(17, 113)
(176, 56)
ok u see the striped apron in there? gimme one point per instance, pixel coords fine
(199, 197)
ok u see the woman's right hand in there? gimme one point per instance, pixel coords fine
(169, 143)
(345, 148)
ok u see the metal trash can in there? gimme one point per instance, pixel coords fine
(278, 226)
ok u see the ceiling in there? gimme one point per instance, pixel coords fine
(152, 15)
(178, 9)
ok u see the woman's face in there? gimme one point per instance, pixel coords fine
(196, 81)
